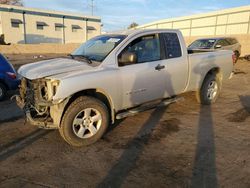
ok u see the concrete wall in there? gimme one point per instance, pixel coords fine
(38, 48)
(93, 33)
(79, 35)
(47, 35)
(27, 31)
(13, 35)
(68, 48)
(229, 22)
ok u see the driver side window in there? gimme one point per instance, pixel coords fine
(142, 49)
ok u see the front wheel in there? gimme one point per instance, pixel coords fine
(84, 122)
(210, 90)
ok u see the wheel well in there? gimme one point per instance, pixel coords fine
(2, 82)
(92, 93)
(214, 71)
(236, 52)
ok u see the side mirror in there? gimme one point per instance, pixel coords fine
(127, 58)
(218, 46)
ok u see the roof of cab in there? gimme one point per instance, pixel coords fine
(137, 31)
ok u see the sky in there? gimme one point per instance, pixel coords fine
(118, 14)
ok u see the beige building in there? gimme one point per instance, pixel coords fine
(32, 26)
(228, 22)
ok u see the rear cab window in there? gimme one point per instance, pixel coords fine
(172, 47)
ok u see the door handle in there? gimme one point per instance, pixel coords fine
(159, 67)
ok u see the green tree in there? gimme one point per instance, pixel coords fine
(133, 25)
(12, 2)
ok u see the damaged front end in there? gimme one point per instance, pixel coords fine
(36, 99)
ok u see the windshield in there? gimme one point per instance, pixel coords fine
(203, 44)
(96, 49)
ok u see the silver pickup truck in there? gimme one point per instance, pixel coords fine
(113, 76)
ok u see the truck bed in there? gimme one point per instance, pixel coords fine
(202, 60)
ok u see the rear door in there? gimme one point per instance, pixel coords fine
(176, 64)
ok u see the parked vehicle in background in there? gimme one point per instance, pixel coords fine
(222, 43)
(8, 77)
(113, 76)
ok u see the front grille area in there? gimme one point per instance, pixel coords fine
(27, 92)
(31, 102)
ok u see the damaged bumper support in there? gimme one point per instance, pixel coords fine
(40, 111)
(52, 122)
(40, 124)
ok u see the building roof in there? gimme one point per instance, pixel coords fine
(41, 12)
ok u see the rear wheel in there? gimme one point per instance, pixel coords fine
(3, 91)
(210, 90)
(84, 122)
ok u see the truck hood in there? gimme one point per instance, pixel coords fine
(51, 67)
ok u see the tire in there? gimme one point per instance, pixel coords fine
(237, 54)
(3, 91)
(79, 127)
(209, 90)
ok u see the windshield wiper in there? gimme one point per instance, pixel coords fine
(89, 61)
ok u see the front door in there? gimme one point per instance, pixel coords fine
(143, 80)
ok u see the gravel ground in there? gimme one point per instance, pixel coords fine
(181, 145)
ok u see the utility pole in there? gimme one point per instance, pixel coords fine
(92, 7)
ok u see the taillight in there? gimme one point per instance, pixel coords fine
(234, 58)
(11, 75)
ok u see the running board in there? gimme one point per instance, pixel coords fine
(139, 109)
